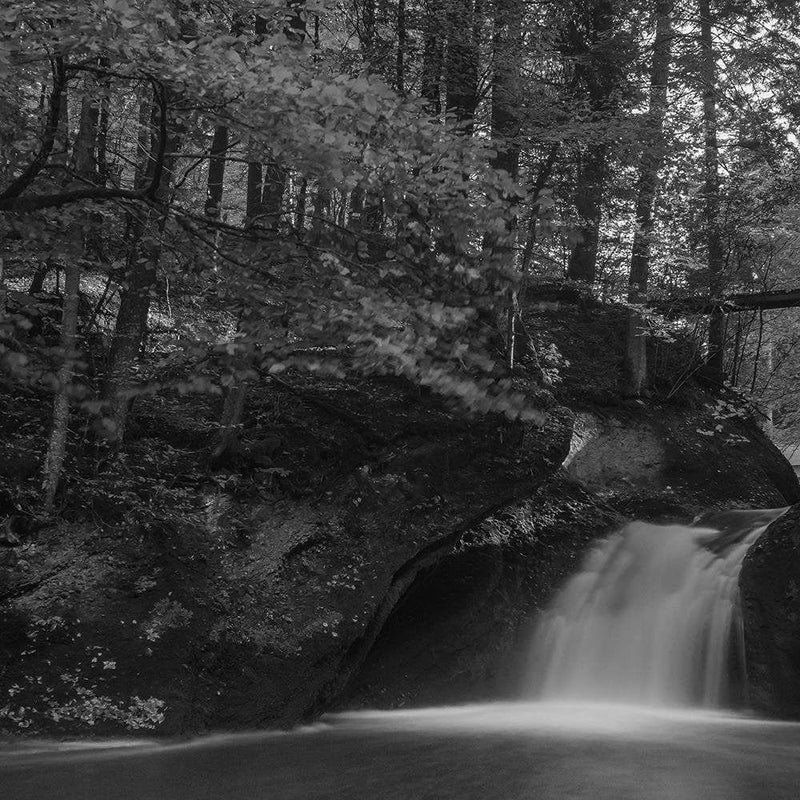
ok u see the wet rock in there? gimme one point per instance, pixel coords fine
(770, 590)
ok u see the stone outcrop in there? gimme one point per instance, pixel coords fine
(770, 591)
(675, 463)
(400, 560)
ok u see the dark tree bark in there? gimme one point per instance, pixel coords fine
(319, 213)
(597, 77)
(461, 88)
(255, 186)
(216, 172)
(400, 62)
(715, 254)
(275, 177)
(142, 266)
(300, 206)
(84, 164)
(367, 30)
(433, 55)
(650, 165)
(505, 122)
(54, 149)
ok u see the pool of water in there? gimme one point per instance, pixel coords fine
(535, 751)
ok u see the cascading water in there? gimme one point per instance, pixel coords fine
(653, 617)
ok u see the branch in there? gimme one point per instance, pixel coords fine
(730, 304)
(19, 185)
(58, 199)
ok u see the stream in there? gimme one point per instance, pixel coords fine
(533, 751)
(631, 669)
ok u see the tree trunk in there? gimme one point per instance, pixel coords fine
(589, 193)
(230, 421)
(367, 32)
(597, 76)
(57, 447)
(322, 202)
(275, 178)
(141, 270)
(3, 290)
(652, 160)
(400, 68)
(85, 167)
(58, 150)
(462, 64)
(505, 131)
(216, 172)
(255, 183)
(433, 55)
(300, 206)
(715, 254)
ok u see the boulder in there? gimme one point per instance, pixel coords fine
(770, 591)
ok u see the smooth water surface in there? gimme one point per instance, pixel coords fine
(538, 751)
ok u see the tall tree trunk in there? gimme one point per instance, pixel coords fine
(233, 403)
(597, 74)
(3, 290)
(367, 31)
(535, 195)
(433, 55)
(56, 450)
(216, 172)
(85, 168)
(141, 268)
(461, 87)
(651, 162)
(400, 62)
(715, 255)
(506, 46)
(56, 146)
(255, 185)
(275, 179)
(589, 195)
(300, 206)
(322, 202)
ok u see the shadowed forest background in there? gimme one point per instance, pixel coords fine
(201, 195)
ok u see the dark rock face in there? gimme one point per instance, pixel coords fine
(462, 629)
(409, 572)
(261, 616)
(770, 590)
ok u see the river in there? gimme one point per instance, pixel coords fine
(537, 751)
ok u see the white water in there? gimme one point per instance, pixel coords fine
(652, 618)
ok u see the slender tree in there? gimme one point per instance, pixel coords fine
(84, 167)
(505, 120)
(461, 82)
(434, 38)
(590, 44)
(650, 165)
(713, 234)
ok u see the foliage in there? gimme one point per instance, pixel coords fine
(261, 189)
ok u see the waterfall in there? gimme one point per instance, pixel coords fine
(652, 617)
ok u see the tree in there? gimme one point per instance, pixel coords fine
(650, 165)
(591, 44)
(714, 247)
